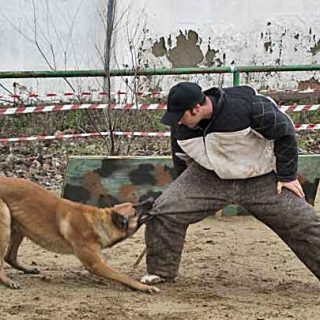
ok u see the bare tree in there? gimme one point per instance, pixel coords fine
(108, 18)
(44, 34)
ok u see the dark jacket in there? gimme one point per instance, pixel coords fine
(246, 136)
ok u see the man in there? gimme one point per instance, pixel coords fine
(244, 151)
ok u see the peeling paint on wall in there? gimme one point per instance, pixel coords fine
(210, 57)
(316, 48)
(268, 46)
(271, 43)
(159, 48)
(186, 53)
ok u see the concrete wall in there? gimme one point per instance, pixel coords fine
(168, 33)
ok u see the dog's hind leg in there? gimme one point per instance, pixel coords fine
(16, 238)
(5, 225)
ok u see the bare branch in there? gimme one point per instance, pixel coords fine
(5, 88)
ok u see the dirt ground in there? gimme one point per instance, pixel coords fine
(232, 268)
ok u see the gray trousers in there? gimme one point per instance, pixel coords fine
(198, 193)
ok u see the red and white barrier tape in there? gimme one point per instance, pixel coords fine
(299, 127)
(301, 107)
(73, 95)
(85, 135)
(24, 94)
(308, 127)
(92, 106)
(128, 106)
(302, 91)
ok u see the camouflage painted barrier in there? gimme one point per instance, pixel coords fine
(105, 181)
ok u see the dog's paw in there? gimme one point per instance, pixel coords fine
(13, 285)
(152, 290)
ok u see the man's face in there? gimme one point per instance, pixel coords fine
(191, 117)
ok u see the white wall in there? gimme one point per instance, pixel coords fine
(229, 31)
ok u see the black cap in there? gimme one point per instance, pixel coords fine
(182, 97)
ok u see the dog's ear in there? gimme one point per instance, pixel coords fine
(119, 221)
(144, 206)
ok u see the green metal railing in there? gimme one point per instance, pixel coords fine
(235, 70)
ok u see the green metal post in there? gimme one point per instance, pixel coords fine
(236, 78)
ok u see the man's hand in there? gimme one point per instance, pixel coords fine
(294, 186)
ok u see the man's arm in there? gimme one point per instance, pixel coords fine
(275, 125)
(179, 163)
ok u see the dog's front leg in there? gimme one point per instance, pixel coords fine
(92, 259)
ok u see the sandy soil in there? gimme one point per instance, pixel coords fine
(232, 268)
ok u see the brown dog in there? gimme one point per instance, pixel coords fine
(63, 226)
